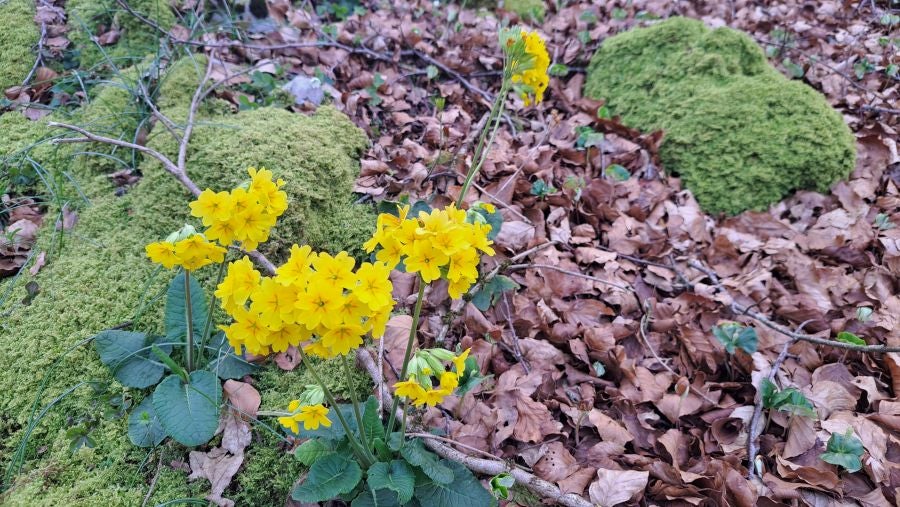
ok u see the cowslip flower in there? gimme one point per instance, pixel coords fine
(191, 253)
(527, 63)
(443, 243)
(316, 301)
(312, 416)
(426, 367)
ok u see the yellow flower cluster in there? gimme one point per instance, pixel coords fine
(191, 253)
(439, 244)
(419, 387)
(529, 64)
(312, 416)
(243, 215)
(313, 296)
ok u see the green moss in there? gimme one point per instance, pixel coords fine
(741, 135)
(102, 279)
(136, 37)
(527, 9)
(17, 39)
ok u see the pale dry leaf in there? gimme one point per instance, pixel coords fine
(614, 487)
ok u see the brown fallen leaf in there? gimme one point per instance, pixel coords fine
(244, 397)
(614, 487)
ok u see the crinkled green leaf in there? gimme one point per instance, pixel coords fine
(189, 411)
(736, 336)
(144, 428)
(127, 355)
(328, 477)
(415, 454)
(175, 319)
(464, 491)
(312, 450)
(371, 422)
(396, 476)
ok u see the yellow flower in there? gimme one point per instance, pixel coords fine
(248, 330)
(240, 281)
(449, 381)
(297, 268)
(195, 251)
(390, 253)
(223, 232)
(528, 63)
(463, 264)
(319, 304)
(342, 339)
(285, 336)
(431, 397)
(267, 191)
(212, 207)
(456, 289)
(459, 362)
(274, 302)
(313, 416)
(162, 252)
(378, 322)
(375, 285)
(290, 423)
(409, 389)
(317, 349)
(336, 271)
(426, 260)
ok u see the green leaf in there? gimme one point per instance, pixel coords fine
(767, 391)
(378, 498)
(328, 477)
(396, 476)
(371, 422)
(176, 327)
(336, 431)
(144, 428)
(558, 70)
(844, 451)
(471, 378)
(312, 450)
(382, 452)
(189, 411)
(436, 470)
(500, 485)
(617, 172)
(225, 363)
(122, 352)
(492, 290)
(850, 338)
(734, 336)
(464, 491)
(431, 71)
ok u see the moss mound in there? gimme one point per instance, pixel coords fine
(529, 10)
(17, 38)
(136, 38)
(101, 278)
(740, 134)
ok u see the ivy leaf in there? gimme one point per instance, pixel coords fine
(850, 338)
(328, 477)
(735, 336)
(312, 450)
(189, 411)
(436, 470)
(127, 355)
(144, 428)
(464, 491)
(176, 323)
(844, 451)
(395, 476)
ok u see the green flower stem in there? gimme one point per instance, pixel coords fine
(409, 346)
(480, 154)
(204, 338)
(357, 448)
(189, 317)
(359, 420)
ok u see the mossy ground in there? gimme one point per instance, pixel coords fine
(136, 39)
(17, 37)
(741, 135)
(101, 278)
(527, 9)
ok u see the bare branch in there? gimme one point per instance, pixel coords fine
(576, 274)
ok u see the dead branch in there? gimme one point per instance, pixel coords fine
(762, 319)
(516, 267)
(39, 58)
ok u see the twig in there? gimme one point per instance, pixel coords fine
(192, 113)
(516, 267)
(452, 442)
(153, 481)
(517, 351)
(450, 72)
(885, 110)
(762, 319)
(168, 165)
(642, 331)
(39, 58)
